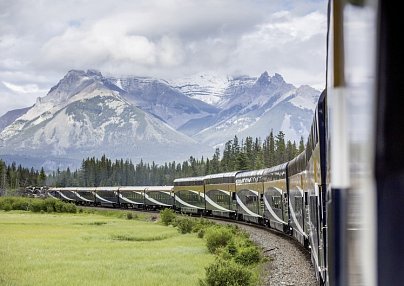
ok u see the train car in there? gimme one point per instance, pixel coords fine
(132, 197)
(275, 197)
(316, 192)
(158, 197)
(365, 87)
(189, 195)
(249, 193)
(107, 196)
(85, 196)
(219, 190)
(298, 198)
(65, 194)
(53, 193)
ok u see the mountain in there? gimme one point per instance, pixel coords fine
(207, 87)
(11, 116)
(83, 115)
(88, 114)
(254, 106)
(165, 102)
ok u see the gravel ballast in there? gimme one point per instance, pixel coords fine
(288, 263)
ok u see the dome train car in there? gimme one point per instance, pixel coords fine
(136, 197)
(219, 190)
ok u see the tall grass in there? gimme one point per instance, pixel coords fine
(237, 257)
(36, 205)
(93, 249)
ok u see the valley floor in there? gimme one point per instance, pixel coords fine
(90, 249)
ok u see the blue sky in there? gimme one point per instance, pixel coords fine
(41, 40)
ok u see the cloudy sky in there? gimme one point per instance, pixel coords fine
(40, 40)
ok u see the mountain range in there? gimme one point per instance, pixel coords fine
(88, 114)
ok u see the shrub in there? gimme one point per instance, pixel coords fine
(201, 224)
(223, 272)
(129, 215)
(69, 208)
(201, 233)
(185, 224)
(59, 206)
(248, 256)
(20, 204)
(6, 206)
(218, 237)
(35, 206)
(231, 248)
(167, 216)
(48, 205)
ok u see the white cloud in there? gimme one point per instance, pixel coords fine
(41, 40)
(28, 88)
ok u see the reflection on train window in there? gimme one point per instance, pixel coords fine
(276, 202)
(221, 198)
(191, 197)
(251, 199)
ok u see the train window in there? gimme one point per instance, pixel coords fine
(276, 202)
(233, 196)
(250, 199)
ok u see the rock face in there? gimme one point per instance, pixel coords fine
(87, 114)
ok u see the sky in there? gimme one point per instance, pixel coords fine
(41, 40)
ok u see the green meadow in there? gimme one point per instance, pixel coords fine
(93, 249)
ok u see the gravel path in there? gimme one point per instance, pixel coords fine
(288, 263)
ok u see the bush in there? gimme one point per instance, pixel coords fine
(231, 248)
(35, 206)
(248, 256)
(69, 208)
(201, 233)
(49, 205)
(129, 215)
(59, 206)
(201, 224)
(20, 204)
(167, 216)
(7, 206)
(226, 273)
(185, 224)
(218, 237)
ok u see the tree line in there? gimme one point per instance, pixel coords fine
(247, 154)
(16, 177)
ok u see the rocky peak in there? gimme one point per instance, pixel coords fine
(263, 80)
(277, 79)
(73, 82)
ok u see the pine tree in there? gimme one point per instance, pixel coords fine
(301, 145)
(281, 156)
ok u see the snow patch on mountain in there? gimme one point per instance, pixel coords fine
(207, 87)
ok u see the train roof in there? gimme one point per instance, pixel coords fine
(281, 167)
(189, 179)
(117, 188)
(159, 188)
(222, 175)
(255, 173)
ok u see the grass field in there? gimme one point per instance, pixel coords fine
(91, 249)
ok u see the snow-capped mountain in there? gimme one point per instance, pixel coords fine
(88, 114)
(11, 116)
(207, 87)
(165, 102)
(254, 106)
(83, 115)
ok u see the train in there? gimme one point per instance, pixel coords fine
(342, 198)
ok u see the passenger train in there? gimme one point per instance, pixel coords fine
(343, 197)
